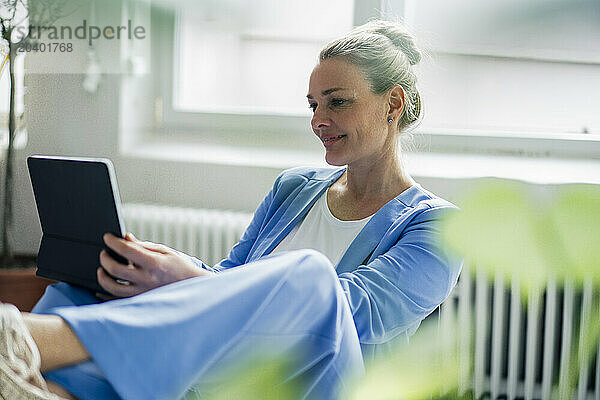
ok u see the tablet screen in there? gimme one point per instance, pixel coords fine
(78, 202)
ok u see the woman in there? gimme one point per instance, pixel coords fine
(377, 273)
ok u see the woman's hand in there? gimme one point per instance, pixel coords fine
(150, 265)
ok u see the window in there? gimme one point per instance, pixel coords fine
(519, 66)
(241, 68)
(504, 76)
(252, 57)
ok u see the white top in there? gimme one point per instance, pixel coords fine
(320, 230)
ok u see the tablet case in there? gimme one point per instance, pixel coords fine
(78, 202)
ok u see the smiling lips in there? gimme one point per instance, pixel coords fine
(330, 140)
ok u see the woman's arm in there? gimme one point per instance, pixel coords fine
(153, 265)
(405, 284)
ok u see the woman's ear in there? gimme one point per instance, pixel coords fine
(396, 102)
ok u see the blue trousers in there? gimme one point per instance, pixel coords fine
(161, 343)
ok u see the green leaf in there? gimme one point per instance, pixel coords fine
(502, 229)
(576, 217)
(426, 367)
(257, 379)
(498, 230)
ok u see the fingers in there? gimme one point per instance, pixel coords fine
(156, 247)
(114, 288)
(118, 270)
(132, 251)
(149, 265)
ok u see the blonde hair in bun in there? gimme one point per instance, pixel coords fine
(385, 52)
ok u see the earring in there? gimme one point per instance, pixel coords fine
(390, 121)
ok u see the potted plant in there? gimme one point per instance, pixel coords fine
(18, 283)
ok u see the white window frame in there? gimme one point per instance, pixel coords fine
(262, 127)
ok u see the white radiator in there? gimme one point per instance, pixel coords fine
(514, 351)
(202, 233)
(507, 351)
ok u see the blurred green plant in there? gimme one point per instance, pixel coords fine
(410, 372)
(259, 378)
(504, 229)
(428, 366)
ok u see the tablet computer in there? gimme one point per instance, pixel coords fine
(78, 202)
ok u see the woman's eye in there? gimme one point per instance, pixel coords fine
(312, 106)
(338, 102)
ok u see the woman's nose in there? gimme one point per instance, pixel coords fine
(320, 120)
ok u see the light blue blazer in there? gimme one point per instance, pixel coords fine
(394, 273)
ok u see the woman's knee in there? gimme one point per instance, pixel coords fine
(315, 273)
(63, 295)
(313, 263)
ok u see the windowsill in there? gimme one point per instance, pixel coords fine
(456, 165)
(542, 170)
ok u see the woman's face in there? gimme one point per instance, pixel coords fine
(350, 120)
